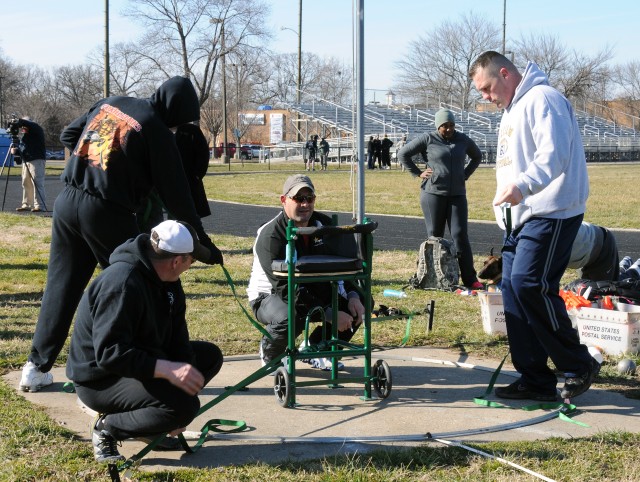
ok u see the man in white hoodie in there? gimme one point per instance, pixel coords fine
(542, 186)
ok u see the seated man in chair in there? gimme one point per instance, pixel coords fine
(268, 293)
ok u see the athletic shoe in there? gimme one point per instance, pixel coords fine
(577, 385)
(518, 391)
(23, 208)
(36, 210)
(33, 379)
(105, 447)
(625, 264)
(324, 364)
(264, 361)
(633, 271)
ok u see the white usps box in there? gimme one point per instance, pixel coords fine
(492, 313)
(614, 332)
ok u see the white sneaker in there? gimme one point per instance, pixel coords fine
(324, 364)
(263, 362)
(33, 379)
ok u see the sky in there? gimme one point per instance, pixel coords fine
(64, 32)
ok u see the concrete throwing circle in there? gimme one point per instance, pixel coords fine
(432, 398)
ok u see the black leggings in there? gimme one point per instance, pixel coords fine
(151, 407)
(85, 231)
(440, 211)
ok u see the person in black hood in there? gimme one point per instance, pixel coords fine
(130, 357)
(194, 151)
(121, 149)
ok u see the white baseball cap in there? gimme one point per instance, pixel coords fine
(178, 237)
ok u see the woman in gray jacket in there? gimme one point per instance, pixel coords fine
(443, 196)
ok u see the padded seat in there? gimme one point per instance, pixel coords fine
(322, 265)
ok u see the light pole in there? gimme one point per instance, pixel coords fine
(504, 26)
(299, 81)
(299, 51)
(106, 48)
(237, 131)
(1, 103)
(224, 91)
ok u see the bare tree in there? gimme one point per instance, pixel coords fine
(324, 78)
(574, 73)
(79, 85)
(279, 76)
(335, 81)
(437, 64)
(17, 81)
(32, 91)
(627, 77)
(546, 51)
(211, 117)
(180, 37)
(130, 72)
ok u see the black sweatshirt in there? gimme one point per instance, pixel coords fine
(122, 147)
(127, 320)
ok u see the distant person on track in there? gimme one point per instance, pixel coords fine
(371, 162)
(324, 154)
(311, 148)
(385, 150)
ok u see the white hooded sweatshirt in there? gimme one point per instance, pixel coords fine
(541, 150)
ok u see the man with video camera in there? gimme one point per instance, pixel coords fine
(30, 151)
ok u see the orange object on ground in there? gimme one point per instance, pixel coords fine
(572, 300)
(607, 304)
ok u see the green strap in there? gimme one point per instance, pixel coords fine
(213, 426)
(257, 325)
(153, 198)
(407, 330)
(563, 413)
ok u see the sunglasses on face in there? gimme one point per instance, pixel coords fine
(299, 199)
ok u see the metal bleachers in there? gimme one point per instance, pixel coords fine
(603, 140)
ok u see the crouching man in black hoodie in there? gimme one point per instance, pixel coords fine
(130, 357)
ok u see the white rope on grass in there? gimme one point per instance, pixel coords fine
(490, 456)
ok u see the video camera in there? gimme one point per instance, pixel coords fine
(13, 129)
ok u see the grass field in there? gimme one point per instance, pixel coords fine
(611, 201)
(35, 448)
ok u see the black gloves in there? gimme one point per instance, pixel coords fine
(216, 255)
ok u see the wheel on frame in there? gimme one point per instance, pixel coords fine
(382, 381)
(282, 387)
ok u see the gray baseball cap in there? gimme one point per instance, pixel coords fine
(294, 183)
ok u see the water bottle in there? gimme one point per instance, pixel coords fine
(394, 294)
